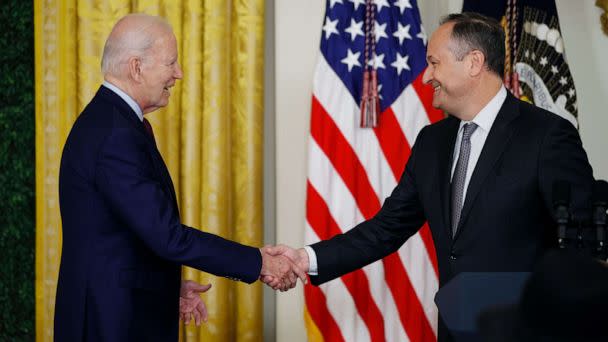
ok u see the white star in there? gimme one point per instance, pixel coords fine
(402, 33)
(554, 69)
(330, 27)
(403, 4)
(352, 59)
(527, 53)
(380, 31)
(563, 80)
(355, 29)
(543, 61)
(380, 91)
(356, 3)
(575, 105)
(401, 63)
(422, 35)
(377, 62)
(380, 4)
(571, 92)
(533, 56)
(333, 2)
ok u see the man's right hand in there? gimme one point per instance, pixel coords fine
(297, 256)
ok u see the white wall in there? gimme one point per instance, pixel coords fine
(297, 32)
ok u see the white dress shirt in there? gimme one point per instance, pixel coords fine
(128, 99)
(484, 120)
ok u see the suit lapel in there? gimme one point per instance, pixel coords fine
(161, 167)
(446, 157)
(498, 138)
(127, 112)
(124, 109)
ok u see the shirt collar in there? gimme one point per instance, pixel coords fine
(486, 116)
(128, 99)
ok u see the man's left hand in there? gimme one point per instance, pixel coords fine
(190, 302)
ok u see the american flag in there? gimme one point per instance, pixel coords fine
(353, 169)
(536, 64)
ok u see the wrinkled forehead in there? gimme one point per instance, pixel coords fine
(165, 43)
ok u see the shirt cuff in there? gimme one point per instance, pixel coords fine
(312, 261)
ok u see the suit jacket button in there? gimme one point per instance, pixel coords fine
(452, 256)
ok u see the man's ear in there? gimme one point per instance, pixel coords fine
(478, 61)
(135, 68)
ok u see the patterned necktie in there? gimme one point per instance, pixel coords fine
(148, 128)
(460, 174)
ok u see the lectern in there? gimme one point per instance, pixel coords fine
(464, 297)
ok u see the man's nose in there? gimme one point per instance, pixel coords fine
(426, 76)
(178, 72)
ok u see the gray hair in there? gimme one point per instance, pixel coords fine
(119, 47)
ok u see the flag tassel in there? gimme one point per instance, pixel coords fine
(370, 102)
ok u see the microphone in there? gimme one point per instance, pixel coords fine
(561, 204)
(600, 205)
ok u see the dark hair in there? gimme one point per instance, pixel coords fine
(473, 31)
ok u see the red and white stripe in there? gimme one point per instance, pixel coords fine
(351, 171)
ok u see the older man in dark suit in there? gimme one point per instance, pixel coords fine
(482, 177)
(123, 242)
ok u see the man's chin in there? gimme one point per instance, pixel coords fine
(436, 104)
(154, 108)
(162, 103)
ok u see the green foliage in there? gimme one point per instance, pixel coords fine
(17, 212)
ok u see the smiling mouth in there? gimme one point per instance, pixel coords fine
(436, 87)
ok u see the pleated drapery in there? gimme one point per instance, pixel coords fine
(210, 134)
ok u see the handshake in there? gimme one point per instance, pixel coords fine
(282, 266)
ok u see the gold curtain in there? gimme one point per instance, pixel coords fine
(210, 135)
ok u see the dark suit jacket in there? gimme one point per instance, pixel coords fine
(506, 221)
(123, 242)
